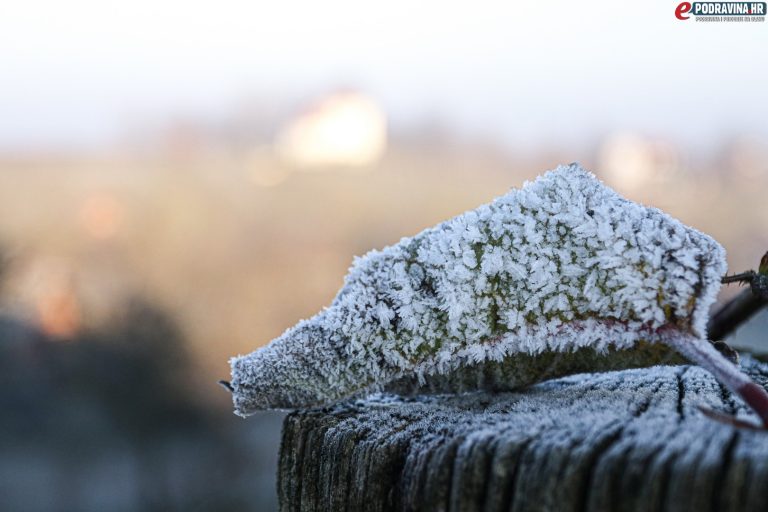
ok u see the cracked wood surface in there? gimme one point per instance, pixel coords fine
(625, 440)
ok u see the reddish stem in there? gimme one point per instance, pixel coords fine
(757, 398)
(702, 352)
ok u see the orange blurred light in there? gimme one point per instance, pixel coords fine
(46, 286)
(59, 313)
(101, 216)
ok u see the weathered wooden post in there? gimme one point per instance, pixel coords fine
(631, 440)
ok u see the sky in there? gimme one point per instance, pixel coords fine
(76, 74)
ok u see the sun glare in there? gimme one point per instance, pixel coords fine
(342, 130)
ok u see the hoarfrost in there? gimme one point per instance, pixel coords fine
(562, 263)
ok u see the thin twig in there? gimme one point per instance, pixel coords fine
(742, 307)
(744, 277)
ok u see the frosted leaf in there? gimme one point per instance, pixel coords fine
(561, 264)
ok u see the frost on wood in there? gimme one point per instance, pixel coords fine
(632, 440)
(561, 265)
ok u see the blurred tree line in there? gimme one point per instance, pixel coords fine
(107, 420)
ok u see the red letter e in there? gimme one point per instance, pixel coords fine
(682, 9)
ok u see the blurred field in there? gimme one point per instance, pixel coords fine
(237, 248)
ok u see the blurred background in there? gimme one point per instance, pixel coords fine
(182, 181)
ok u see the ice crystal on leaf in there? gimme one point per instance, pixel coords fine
(561, 264)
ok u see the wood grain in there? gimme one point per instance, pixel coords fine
(624, 440)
